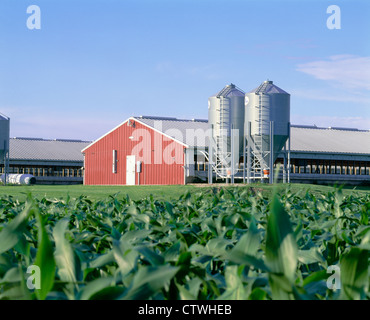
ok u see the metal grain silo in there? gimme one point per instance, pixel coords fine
(226, 119)
(4, 142)
(267, 123)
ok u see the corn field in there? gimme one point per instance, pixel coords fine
(222, 244)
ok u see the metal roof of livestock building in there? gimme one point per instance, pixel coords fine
(335, 140)
(309, 139)
(38, 149)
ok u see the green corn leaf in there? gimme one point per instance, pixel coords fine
(153, 258)
(5, 264)
(311, 255)
(234, 285)
(169, 208)
(315, 283)
(68, 266)
(135, 236)
(244, 259)
(12, 293)
(44, 260)
(315, 277)
(102, 260)
(95, 286)
(173, 252)
(13, 231)
(258, 294)
(354, 273)
(148, 281)
(125, 257)
(194, 285)
(108, 293)
(281, 248)
(250, 242)
(184, 293)
(12, 275)
(365, 241)
(281, 251)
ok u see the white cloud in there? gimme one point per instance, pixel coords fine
(349, 71)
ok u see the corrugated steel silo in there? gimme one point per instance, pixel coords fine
(4, 133)
(267, 121)
(4, 142)
(226, 118)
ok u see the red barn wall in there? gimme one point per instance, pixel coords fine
(148, 146)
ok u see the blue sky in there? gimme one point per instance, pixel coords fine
(95, 63)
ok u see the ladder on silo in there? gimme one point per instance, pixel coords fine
(258, 138)
(257, 147)
(262, 87)
(222, 132)
(260, 121)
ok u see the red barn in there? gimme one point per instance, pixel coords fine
(142, 151)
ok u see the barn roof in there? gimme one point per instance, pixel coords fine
(42, 149)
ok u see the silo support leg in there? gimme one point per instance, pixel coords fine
(284, 165)
(271, 164)
(249, 152)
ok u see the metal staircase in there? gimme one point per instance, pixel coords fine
(223, 156)
(259, 155)
(262, 87)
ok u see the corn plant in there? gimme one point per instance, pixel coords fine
(227, 243)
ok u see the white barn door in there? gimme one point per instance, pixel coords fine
(130, 170)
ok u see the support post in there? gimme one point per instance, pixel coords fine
(249, 152)
(210, 157)
(244, 155)
(284, 164)
(271, 164)
(232, 154)
(288, 152)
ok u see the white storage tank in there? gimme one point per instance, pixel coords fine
(267, 108)
(226, 112)
(4, 143)
(26, 179)
(4, 135)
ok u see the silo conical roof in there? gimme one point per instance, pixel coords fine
(268, 87)
(231, 90)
